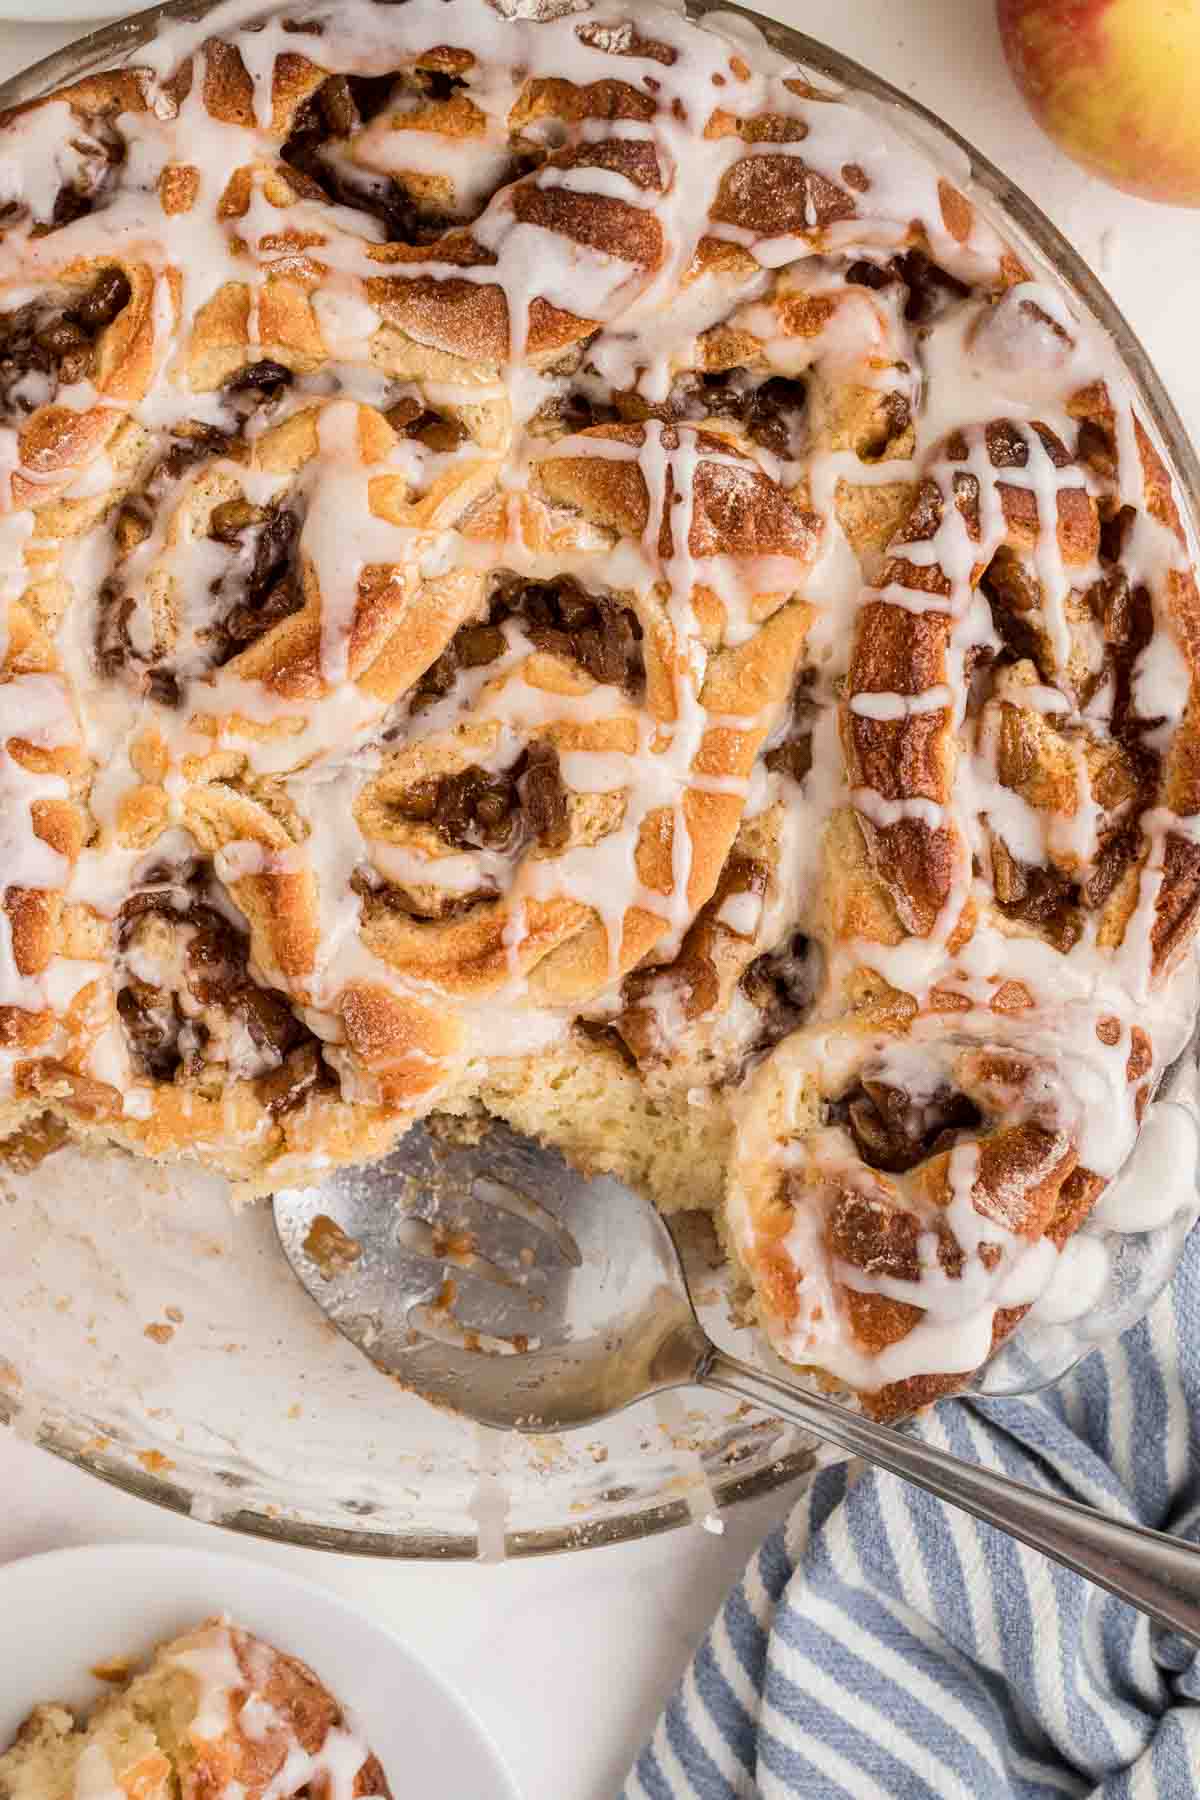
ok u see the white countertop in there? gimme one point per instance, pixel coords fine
(568, 1659)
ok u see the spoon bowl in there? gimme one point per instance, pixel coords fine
(486, 1277)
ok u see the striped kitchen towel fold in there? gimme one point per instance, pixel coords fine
(881, 1643)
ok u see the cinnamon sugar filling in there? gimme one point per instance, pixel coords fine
(894, 1132)
(561, 617)
(475, 809)
(50, 344)
(770, 410)
(188, 1004)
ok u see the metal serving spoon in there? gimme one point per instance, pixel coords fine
(492, 1279)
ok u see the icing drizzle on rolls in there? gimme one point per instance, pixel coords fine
(541, 531)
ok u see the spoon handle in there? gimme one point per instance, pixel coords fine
(1160, 1575)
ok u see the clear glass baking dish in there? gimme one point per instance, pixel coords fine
(157, 1339)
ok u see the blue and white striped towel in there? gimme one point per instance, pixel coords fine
(881, 1643)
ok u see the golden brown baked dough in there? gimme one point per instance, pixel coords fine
(551, 564)
(217, 1706)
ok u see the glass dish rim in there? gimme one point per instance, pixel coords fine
(99, 48)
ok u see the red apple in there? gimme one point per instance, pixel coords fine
(1116, 84)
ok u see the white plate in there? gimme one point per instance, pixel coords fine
(64, 1612)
